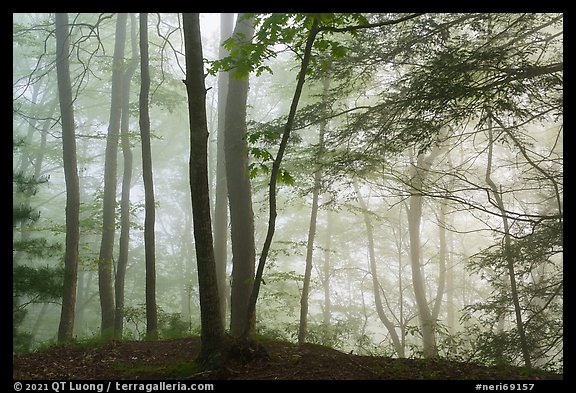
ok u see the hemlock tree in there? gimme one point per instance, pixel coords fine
(66, 328)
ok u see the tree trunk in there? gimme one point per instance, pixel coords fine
(274, 173)
(302, 329)
(427, 323)
(239, 194)
(398, 347)
(221, 200)
(105, 265)
(66, 327)
(148, 178)
(126, 185)
(326, 271)
(212, 336)
(507, 251)
(441, 262)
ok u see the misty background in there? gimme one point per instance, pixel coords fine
(444, 136)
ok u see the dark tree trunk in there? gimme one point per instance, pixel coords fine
(274, 174)
(149, 220)
(239, 194)
(66, 328)
(105, 265)
(212, 335)
(303, 326)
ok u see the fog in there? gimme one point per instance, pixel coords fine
(432, 149)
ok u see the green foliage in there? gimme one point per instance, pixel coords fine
(27, 185)
(281, 29)
(37, 247)
(30, 284)
(39, 284)
(262, 158)
(21, 341)
(539, 279)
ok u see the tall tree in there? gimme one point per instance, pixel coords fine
(105, 265)
(398, 347)
(149, 238)
(326, 270)
(66, 328)
(124, 240)
(212, 329)
(148, 178)
(417, 183)
(302, 328)
(272, 213)
(239, 190)
(313, 25)
(507, 250)
(221, 200)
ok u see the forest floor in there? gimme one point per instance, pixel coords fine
(174, 359)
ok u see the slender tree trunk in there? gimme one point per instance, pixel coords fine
(239, 193)
(398, 347)
(450, 273)
(326, 271)
(186, 283)
(66, 328)
(427, 322)
(274, 173)
(441, 262)
(507, 251)
(124, 241)
(213, 338)
(302, 329)
(221, 199)
(105, 265)
(149, 220)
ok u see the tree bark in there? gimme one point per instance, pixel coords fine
(507, 250)
(276, 168)
(221, 200)
(302, 329)
(427, 323)
(398, 347)
(327, 310)
(124, 241)
(212, 335)
(105, 265)
(239, 194)
(441, 261)
(148, 178)
(66, 327)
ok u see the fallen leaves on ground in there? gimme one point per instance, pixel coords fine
(174, 359)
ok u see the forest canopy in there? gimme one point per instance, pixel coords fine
(388, 184)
